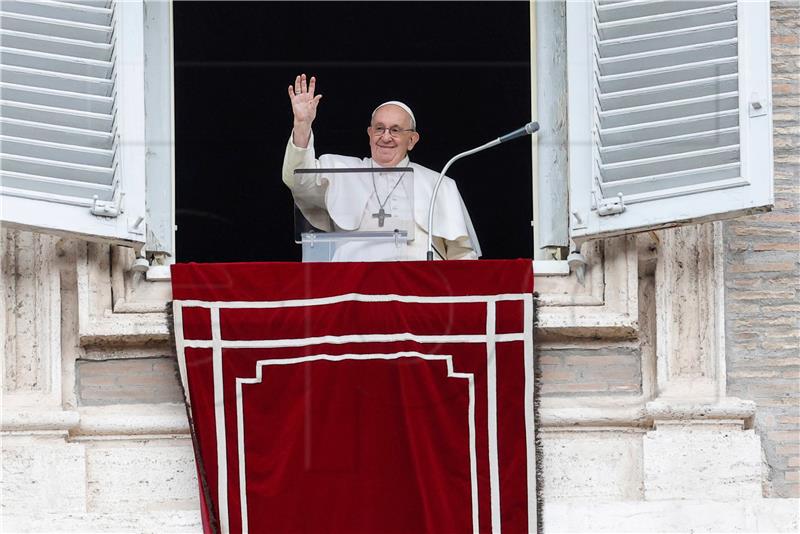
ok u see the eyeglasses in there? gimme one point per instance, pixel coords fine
(394, 131)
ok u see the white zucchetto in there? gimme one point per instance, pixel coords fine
(402, 106)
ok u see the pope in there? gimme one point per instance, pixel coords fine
(368, 202)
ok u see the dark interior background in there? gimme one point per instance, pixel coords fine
(463, 67)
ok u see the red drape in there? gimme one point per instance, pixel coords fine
(361, 397)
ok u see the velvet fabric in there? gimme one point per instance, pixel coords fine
(360, 398)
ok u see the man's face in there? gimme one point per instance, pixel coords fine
(387, 150)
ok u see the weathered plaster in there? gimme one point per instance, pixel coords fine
(42, 473)
(601, 464)
(159, 474)
(688, 347)
(702, 460)
(100, 322)
(606, 305)
(30, 320)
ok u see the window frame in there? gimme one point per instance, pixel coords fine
(159, 101)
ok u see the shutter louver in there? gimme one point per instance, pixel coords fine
(57, 111)
(661, 126)
(676, 126)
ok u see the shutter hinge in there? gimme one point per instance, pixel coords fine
(611, 206)
(103, 208)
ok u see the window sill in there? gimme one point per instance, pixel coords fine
(158, 273)
(550, 268)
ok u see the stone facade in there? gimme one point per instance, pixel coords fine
(669, 375)
(94, 432)
(762, 279)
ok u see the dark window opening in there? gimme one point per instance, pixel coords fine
(463, 67)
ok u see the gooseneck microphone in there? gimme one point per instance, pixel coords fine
(528, 129)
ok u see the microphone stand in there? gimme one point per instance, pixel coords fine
(528, 129)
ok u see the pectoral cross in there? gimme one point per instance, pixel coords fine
(381, 216)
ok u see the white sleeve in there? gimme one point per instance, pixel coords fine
(460, 249)
(298, 158)
(308, 190)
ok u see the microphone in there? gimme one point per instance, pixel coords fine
(528, 129)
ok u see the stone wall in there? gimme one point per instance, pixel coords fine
(762, 279)
(585, 370)
(128, 381)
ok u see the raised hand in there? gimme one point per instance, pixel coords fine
(304, 102)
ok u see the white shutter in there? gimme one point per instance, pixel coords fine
(669, 113)
(71, 118)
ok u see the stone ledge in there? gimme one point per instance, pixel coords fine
(722, 410)
(32, 420)
(124, 328)
(730, 411)
(587, 323)
(580, 417)
(132, 421)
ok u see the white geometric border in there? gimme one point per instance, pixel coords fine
(490, 339)
(260, 364)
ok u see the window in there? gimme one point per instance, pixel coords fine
(463, 67)
(669, 113)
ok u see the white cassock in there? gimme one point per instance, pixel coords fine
(347, 203)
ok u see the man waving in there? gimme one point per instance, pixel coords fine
(333, 203)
